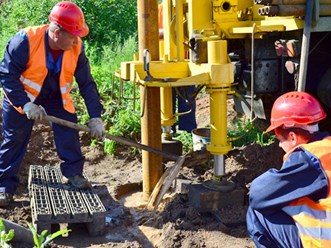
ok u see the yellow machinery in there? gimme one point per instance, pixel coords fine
(251, 48)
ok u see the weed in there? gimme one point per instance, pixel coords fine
(42, 240)
(186, 139)
(5, 237)
(265, 139)
(126, 124)
(244, 132)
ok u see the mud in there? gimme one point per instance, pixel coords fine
(117, 180)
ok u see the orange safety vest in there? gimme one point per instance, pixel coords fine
(33, 77)
(313, 219)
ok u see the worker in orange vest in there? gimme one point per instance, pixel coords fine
(37, 74)
(291, 207)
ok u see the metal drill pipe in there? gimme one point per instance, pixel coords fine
(148, 38)
(305, 46)
(261, 11)
(292, 10)
(287, 2)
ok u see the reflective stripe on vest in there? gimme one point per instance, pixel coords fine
(30, 86)
(313, 219)
(33, 77)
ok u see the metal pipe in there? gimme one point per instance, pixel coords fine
(180, 30)
(148, 36)
(305, 46)
(265, 2)
(219, 165)
(271, 10)
(261, 11)
(252, 72)
(292, 10)
(287, 2)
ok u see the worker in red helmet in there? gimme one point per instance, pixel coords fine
(37, 74)
(291, 207)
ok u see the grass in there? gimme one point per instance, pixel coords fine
(240, 134)
(244, 132)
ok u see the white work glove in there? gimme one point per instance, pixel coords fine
(33, 111)
(97, 128)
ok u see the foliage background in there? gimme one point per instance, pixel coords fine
(108, 20)
(112, 40)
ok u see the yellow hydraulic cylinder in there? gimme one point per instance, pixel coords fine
(222, 77)
(217, 52)
(218, 120)
(179, 30)
(169, 43)
(167, 116)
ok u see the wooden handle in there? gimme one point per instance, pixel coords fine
(111, 137)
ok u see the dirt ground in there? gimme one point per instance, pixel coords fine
(117, 180)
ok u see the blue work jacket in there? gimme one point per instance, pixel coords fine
(14, 63)
(298, 177)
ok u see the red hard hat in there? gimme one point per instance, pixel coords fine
(295, 108)
(70, 17)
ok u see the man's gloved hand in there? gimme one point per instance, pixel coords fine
(33, 111)
(97, 128)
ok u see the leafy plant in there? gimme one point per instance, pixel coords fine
(108, 44)
(5, 237)
(245, 132)
(42, 240)
(18, 14)
(265, 139)
(108, 62)
(109, 20)
(126, 124)
(186, 139)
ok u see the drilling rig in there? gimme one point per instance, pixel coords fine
(251, 50)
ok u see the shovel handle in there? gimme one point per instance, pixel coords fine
(66, 123)
(122, 140)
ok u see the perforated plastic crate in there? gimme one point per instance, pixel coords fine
(54, 202)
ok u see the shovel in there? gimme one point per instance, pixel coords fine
(165, 181)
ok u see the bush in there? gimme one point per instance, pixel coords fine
(112, 39)
(18, 14)
(107, 19)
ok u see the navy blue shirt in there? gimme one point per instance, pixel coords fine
(14, 64)
(301, 175)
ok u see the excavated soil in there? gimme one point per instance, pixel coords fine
(117, 180)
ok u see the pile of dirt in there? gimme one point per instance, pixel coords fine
(129, 224)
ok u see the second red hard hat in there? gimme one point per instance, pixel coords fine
(295, 108)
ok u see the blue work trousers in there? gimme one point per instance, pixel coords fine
(276, 230)
(185, 102)
(16, 133)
